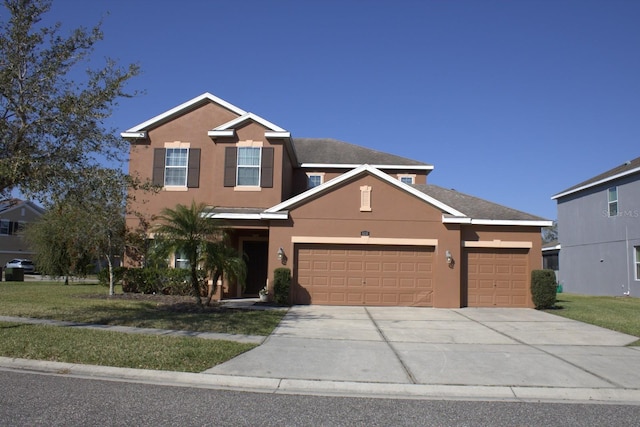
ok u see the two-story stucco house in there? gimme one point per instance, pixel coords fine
(355, 226)
(14, 215)
(599, 233)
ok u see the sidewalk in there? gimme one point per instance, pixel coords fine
(471, 354)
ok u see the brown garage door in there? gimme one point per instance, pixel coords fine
(363, 275)
(497, 278)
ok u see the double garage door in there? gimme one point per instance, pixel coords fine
(404, 276)
(364, 275)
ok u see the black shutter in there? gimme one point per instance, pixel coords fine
(266, 168)
(230, 163)
(158, 166)
(193, 172)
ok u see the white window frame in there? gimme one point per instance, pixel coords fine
(167, 167)
(311, 175)
(180, 261)
(409, 177)
(612, 203)
(258, 167)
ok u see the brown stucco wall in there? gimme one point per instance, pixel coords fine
(395, 215)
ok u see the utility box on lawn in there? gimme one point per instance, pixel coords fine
(14, 274)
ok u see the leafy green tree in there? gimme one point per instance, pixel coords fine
(550, 234)
(185, 229)
(221, 259)
(85, 225)
(52, 118)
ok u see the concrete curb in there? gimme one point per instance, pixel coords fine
(329, 388)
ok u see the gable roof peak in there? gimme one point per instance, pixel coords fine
(181, 109)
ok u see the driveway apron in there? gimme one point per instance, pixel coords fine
(468, 346)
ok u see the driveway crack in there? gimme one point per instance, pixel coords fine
(405, 368)
(538, 348)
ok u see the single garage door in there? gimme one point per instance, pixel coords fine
(363, 275)
(497, 278)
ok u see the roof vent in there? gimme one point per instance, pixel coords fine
(628, 162)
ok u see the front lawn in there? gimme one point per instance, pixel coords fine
(620, 314)
(90, 304)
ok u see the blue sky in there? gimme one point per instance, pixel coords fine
(511, 101)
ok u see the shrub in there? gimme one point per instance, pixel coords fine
(281, 285)
(543, 288)
(118, 274)
(169, 281)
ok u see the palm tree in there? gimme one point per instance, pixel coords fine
(186, 230)
(221, 259)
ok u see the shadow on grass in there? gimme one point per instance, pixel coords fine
(185, 316)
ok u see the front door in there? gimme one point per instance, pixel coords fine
(257, 254)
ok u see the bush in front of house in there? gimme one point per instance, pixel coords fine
(543, 288)
(281, 285)
(167, 281)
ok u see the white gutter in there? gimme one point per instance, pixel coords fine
(466, 220)
(354, 165)
(593, 184)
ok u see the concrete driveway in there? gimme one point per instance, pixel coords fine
(455, 347)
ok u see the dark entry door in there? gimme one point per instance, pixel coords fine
(257, 253)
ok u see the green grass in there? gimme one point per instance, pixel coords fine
(62, 344)
(84, 303)
(620, 314)
(87, 303)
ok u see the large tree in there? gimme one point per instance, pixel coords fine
(52, 117)
(86, 225)
(186, 230)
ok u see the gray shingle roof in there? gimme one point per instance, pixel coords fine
(618, 170)
(332, 151)
(474, 207)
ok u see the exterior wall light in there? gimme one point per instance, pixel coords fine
(282, 257)
(449, 258)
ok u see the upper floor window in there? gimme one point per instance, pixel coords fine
(248, 166)
(313, 180)
(176, 168)
(4, 227)
(613, 201)
(176, 163)
(407, 178)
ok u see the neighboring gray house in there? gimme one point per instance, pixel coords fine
(599, 233)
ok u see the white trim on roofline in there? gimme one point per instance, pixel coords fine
(355, 165)
(134, 135)
(176, 110)
(249, 116)
(250, 216)
(357, 171)
(23, 204)
(221, 133)
(478, 221)
(552, 248)
(593, 184)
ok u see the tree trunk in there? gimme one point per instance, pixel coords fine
(112, 290)
(214, 287)
(195, 284)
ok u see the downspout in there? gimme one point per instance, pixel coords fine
(626, 240)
